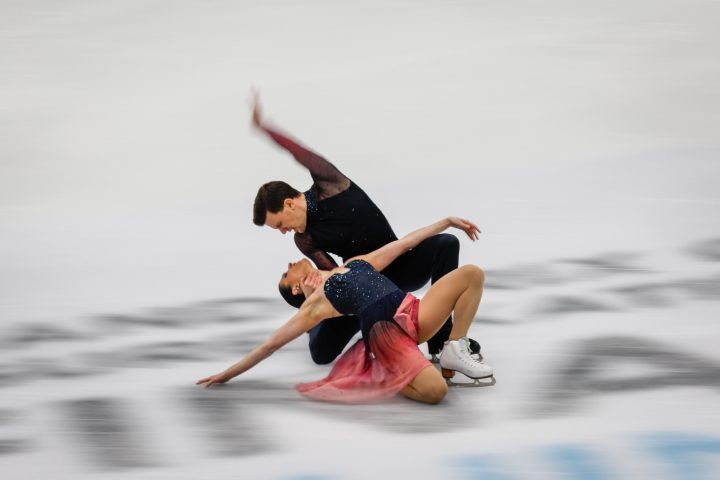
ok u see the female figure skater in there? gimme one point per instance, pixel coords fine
(387, 359)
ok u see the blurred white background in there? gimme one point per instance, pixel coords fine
(129, 169)
(564, 129)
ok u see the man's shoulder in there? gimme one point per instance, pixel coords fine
(325, 188)
(351, 192)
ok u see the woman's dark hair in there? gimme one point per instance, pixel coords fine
(292, 299)
(270, 198)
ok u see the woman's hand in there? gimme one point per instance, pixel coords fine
(466, 226)
(310, 283)
(213, 379)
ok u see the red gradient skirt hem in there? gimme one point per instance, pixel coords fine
(359, 376)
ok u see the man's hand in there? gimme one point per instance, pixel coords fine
(310, 283)
(256, 110)
(213, 379)
(466, 226)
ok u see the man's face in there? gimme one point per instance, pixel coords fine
(290, 218)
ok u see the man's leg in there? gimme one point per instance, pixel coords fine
(430, 260)
(329, 338)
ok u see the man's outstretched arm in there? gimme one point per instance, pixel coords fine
(324, 173)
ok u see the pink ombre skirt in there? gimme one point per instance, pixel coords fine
(359, 376)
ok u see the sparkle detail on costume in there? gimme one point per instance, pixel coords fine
(312, 206)
(351, 212)
(355, 290)
(365, 292)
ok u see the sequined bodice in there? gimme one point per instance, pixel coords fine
(354, 291)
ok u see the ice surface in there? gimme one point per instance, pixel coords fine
(581, 137)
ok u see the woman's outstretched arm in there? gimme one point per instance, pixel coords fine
(313, 311)
(384, 256)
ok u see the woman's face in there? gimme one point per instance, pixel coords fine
(295, 273)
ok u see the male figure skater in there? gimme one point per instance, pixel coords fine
(336, 216)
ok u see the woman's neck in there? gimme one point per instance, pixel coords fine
(324, 275)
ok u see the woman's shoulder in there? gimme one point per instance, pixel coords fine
(361, 259)
(318, 302)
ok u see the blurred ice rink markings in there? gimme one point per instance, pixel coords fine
(600, 348)
(687, 456)
(230, 424)
(706, 250)
(668, 455)
(572, 304)
(577, 462)
(107, 434)
(594, 366)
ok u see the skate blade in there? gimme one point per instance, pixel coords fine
(476, 382)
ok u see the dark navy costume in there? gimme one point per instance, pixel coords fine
(387, 358)
(343, 220)
(364, 292)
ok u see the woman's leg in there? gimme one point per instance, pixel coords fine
(428, 386)
(431, 259)
(459, 291)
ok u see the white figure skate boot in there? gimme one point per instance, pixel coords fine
(455, 357)
(474, 351)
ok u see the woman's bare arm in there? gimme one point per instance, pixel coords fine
(385, 255)
(313, 311)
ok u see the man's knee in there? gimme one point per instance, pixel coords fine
(448, 244)
(329, 338)
(319, 351)
(445, 256)
(322, 357)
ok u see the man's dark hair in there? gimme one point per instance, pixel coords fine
(292, 299)
(270, 198)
